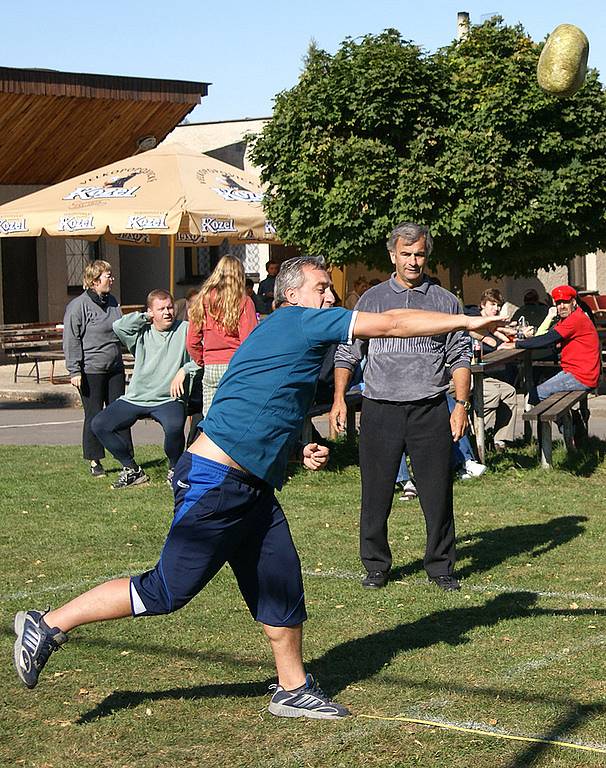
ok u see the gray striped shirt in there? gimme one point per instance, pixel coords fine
(403, 370)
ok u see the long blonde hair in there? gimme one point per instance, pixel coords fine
(221, 295)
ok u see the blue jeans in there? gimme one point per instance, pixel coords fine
(461, 451)
(561, 382)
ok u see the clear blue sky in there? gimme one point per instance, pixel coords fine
(249, 51)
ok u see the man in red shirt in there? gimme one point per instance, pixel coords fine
(579, 347)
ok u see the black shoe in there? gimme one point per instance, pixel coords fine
(34, 644)
(97, 470)
(375, 579)
(447, 583)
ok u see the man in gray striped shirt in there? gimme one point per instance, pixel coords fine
(404, 408)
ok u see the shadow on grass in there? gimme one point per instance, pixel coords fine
(488, 549)
(576, 716)
(124, 700)
(361, 658)
(582, 461)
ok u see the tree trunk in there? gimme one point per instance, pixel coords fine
(455, 272)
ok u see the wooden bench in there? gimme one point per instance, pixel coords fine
(557, 407)
(353, 400)
(33, 342)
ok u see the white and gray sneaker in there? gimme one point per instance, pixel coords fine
(409, 491)
(307, 701)
(34, 644)
(169, 477)
(129, 476)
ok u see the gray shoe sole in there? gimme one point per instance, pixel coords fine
(281, 710)
(19, 623)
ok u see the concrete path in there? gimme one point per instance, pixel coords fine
(50, 414)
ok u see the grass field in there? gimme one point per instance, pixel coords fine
(519, 652)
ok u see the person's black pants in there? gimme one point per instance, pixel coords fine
(109, 426)
(96, 391)
(422, 428)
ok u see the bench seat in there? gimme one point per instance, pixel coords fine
(556, 407)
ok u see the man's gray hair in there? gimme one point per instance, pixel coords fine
(410, 233)
(291, 275)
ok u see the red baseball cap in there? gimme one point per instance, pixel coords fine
(563, 293)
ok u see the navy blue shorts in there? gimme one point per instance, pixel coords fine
(223, 515)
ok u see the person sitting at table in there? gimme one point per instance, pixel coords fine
(533, 311)
(500, 399)
(579, 345)
(462, 459)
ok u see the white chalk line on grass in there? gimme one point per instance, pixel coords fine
(41, 424)
(66, 587)
(465, 587)
(347, 575)
(554, 658)
(484, 729)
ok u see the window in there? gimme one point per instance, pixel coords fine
(577, 273)
(78, 253)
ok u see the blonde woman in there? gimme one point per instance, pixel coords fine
(220, 318)
(93, 355)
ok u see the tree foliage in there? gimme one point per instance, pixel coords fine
(509, 178)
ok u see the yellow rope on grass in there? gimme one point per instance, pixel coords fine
(482, 732)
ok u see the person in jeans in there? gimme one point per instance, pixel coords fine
(579, 344)
(463, 461)
(404, 408)
(156, 389)
(93, 355)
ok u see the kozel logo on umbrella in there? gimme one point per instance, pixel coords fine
(147, 221)
(75, 223)
(134, 237)
(8, 226)
(115, 187)
(217, 226)
(230, 189)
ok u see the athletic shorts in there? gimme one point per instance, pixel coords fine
(223, 515)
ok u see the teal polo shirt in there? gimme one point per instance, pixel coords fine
(263, 398)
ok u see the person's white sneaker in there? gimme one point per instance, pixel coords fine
(474, 468)
(409, 491)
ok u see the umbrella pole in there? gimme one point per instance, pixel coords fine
(171, 263)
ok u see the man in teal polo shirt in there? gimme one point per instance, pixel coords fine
(225, 506)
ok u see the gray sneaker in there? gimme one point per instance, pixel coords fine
(34, 644)
(307, 701)
(129, 476)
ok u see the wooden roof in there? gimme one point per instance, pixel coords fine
(55, 125)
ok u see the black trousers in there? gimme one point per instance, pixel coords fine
(96, 391)
(422, 428)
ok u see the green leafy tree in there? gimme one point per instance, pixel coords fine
(333, 149)
(509, 178)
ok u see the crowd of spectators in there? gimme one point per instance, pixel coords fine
(414, 430)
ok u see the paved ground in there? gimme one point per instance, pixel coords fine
(50, 414)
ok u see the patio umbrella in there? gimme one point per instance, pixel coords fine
(171, 190)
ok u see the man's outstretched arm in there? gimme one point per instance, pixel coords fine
(404, 323)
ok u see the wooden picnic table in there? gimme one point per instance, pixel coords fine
(494, 361)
